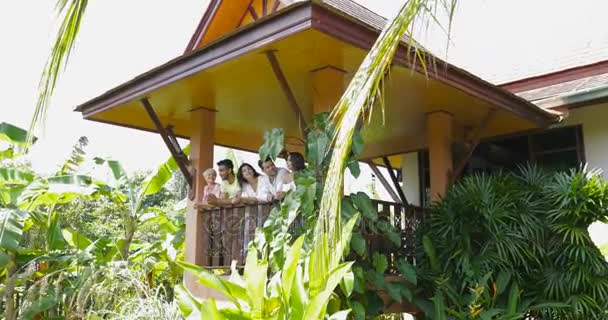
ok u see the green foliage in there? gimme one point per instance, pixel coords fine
(71, 13)
(273, 144)
(528, 229)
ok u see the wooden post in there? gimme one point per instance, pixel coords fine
(439, 134)
(328, 87)
(201, 158)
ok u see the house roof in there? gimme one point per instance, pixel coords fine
(553, 89)
(230, 75)
(348, 8)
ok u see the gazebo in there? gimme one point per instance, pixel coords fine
(254, 65)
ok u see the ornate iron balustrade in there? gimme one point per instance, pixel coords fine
(230, 229)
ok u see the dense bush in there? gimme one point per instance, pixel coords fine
(530, 227)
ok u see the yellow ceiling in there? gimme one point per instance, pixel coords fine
(248, 99)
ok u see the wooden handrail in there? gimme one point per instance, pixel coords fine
(231, 228)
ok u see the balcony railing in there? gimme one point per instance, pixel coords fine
(230, 229)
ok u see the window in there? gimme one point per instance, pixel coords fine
(554, 149)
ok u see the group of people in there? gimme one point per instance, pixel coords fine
(248, 186)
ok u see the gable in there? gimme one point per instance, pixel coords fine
(225, 16)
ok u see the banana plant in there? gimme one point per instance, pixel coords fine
(129, 196)
(287, 294)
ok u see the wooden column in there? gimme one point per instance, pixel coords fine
(439, 134)
(201, 158)
(328, 87)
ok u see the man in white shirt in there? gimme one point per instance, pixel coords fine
(275, 177)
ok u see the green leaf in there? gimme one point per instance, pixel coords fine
(299, 296)
(394, 237)
(502, 281)
(186, 301)
(490, 314)
(4, 259)
(380, 262)
(11, 176)
(156, 181)
(291, 265)
(54, 238)
(358, 144)
(353, 166)
(75, 239)
(394, 291)
(42, 303)
(340, 315)
(255, 275)
(429, 249)
(209, 311)
(358, 244)
(347, 284)
(7, 154)
(314, 309)
(513, 301)
(358, 310)
(273, 144)
(364, 205)
(11, 228)
(407, 271)
(232, 291)
(13, 134)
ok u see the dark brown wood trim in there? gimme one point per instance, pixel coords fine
(253, 13)
(327, 20)
(276, 5)
(328, 67)
(286, 88)
(289, 21)
(178, 155)
(387, 186)
(201, 29)
(391, 173)
(264, 7)
(474, 141)
(557, 77)
(240, 23)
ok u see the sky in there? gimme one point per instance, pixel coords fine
(498, 40)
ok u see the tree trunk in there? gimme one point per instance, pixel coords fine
(129, 233)
(11, 276)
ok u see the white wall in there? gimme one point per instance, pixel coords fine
(411, 179)
(594, 120)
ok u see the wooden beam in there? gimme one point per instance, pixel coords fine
(391, 173)
(384, 182)
(291, 99)
(177, 154)
(474, 139)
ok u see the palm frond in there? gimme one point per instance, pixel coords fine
(71, 13)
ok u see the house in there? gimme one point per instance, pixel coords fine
(580, 93)
(253, 65)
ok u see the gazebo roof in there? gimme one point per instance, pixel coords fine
(228, 72)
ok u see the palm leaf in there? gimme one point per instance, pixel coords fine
(11, 228)
(71, 12)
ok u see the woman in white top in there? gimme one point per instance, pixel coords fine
(253, 188)
(295, 163)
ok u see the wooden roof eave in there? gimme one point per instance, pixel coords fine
(284, 23)
(295, 18)
(364, 35)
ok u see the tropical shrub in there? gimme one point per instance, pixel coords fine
(530, 227)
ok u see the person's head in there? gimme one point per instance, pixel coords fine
(246, 172)
(268, 166)
(210, 175)
(226, 169)
(295, 162)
